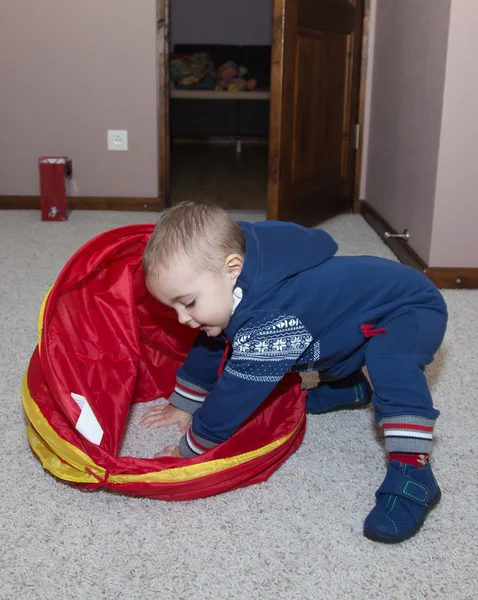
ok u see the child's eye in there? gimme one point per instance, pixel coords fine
(191, 304)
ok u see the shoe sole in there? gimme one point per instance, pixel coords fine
(376, 537)
(345, 406)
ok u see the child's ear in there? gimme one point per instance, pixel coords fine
(234, 264)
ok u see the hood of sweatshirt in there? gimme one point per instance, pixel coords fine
(275, 252)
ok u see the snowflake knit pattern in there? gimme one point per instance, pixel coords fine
(266, 350)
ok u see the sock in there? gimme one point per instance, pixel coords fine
(416, 460)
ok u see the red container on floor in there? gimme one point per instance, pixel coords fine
(54, 201)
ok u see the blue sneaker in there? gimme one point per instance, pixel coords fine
(352, 392)
(404, 499)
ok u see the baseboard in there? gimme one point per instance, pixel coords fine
(85, 203)
(457, 278)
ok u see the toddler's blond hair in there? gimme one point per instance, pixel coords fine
(201, 232)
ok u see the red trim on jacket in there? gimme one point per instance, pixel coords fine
(369, 331)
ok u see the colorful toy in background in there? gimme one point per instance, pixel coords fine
(192, 71)
(197, 72)
(232, 78)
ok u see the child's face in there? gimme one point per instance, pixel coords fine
(204, 299)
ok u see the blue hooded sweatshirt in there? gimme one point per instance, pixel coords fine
(297, 307)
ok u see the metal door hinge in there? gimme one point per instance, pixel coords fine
(356, 136)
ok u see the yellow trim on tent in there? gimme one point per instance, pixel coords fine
(203, 469)
(50, 447)
(56, 445)
(52, 462)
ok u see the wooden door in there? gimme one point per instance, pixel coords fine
(315, 88)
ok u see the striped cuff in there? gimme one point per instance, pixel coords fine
(408, 434)
(192, 445)
(187, 396)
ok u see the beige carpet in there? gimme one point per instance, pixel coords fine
(296, 537)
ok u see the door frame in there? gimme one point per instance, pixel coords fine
(162, 75)
(162, 101)
(364, 74)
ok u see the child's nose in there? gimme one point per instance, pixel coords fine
(183, 317)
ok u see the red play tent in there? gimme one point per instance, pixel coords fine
(104, 343)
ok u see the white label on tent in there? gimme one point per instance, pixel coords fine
(87, 423)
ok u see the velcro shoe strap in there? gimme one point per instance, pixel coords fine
(399, 484)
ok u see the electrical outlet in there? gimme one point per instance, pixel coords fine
(117, 140)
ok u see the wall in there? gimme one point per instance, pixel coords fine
(221, 22)
(455, 223)
(405, 114)
(69, 71)
(67, 76)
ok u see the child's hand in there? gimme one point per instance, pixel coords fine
(161, 416)
(169, 451)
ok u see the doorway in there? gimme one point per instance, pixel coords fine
(281, 139)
